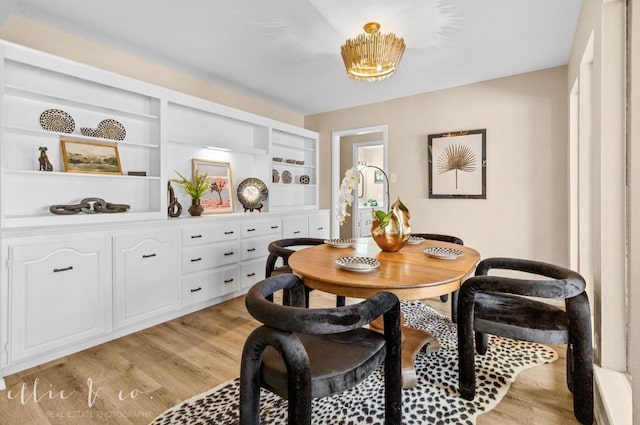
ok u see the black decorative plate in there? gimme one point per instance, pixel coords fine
(443, 253)
(111, 129)
(252, 193)
(57, 120)
(358, 264)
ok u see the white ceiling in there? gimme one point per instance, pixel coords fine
(287, 52)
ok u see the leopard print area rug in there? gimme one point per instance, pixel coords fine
(434, 400)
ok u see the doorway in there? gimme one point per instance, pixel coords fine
(349, 147)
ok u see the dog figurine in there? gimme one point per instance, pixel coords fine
(45, 164)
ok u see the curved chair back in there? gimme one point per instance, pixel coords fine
(301, 353)
(454, 294)
(512, 307)
(279, 249)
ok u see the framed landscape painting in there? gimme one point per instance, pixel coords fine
(457, 164)
(219, 197)
(91, 158)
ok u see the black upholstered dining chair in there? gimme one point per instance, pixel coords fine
(454, 294)
(281, 249)
(504, 306)
(301, 353)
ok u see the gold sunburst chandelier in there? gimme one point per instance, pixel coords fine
(372, 56)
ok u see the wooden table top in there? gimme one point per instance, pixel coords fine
(408, 273)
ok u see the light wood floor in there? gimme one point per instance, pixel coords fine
(135, 378)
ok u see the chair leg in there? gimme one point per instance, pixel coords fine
(482, 342)
(340, 301)
(444, 298)
(454, 306)
(466, 355)
(249, 381)
(582, 358)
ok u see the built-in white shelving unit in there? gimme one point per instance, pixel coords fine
(116, 273)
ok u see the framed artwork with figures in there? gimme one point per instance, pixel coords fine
(219, 197)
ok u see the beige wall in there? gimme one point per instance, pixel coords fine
(23, 31)
(525, 213)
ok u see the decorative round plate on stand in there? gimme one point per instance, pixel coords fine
(57, 120)
(252, 193)
(111, 129)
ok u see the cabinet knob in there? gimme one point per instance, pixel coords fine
(275, 227)
(251, 230)
(148, 255)
(228, 253)
(296, 232)
(193, 260)
(199, 288)
(251, 249)
(228, 280)
(230, 232)
(64, 269)
(251, 274)
(196, 236)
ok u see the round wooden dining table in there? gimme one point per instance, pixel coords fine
(409, 273)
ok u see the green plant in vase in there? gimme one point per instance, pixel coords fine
(390, 229)
(196, 189)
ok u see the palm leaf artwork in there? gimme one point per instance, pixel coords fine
(456, 158)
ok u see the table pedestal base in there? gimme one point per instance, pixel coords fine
(413, 340)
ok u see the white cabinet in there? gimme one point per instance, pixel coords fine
(146, 275)
(363, 225)
(60, 294)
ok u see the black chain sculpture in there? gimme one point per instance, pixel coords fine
(89, 206)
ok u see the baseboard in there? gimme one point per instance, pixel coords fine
(613, 401)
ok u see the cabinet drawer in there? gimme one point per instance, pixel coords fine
(199, 235)
(200, 287)
(319, 226)
(262, 227)
(251, 273)
(295, 227)
(256, 247)
(209, 256)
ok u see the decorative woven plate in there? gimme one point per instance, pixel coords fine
(286, 177)
(275, 176)
(358, 264)
(111, 129)
(57, 120)
(340, 243)
(415, 240)
(252, 193)
(442, 252)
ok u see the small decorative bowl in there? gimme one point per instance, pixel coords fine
(276, 159)
(299, 162)
(91, 132)
(290, 161)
